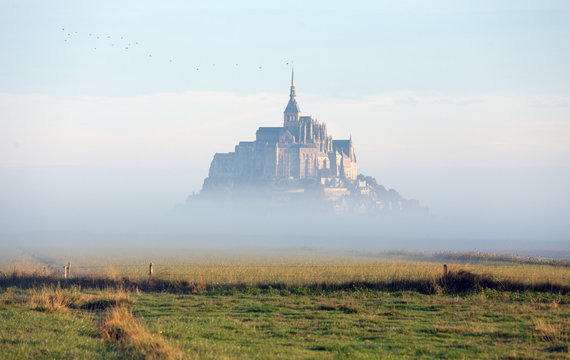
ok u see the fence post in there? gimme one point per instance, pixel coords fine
(65, 271)
(69, 270)
(444, 270)
(150, 271)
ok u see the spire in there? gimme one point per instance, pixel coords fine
(292, 94)
(292, 111)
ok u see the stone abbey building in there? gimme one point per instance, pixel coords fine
(297, 163)
(300, 149)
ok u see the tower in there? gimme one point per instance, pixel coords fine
(292, 112)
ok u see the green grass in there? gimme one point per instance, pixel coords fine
(29, 334)
(326, 307)
(278, 324)
(358, 325)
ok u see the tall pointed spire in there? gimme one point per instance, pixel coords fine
(292, 111)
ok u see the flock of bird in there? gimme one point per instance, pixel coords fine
(118, 42)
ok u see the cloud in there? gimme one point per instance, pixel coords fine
(392, 129)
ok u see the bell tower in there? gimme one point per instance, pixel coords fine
(292, 112)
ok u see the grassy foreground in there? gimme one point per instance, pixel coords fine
(45, 317)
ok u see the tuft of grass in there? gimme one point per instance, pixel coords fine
(111, 273)
(55, 299)
(552, 332)
(556, 335)
(119, 327)
(110, 298)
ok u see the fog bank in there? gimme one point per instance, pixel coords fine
(483, 209)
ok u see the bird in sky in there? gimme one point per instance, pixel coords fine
(127, 45)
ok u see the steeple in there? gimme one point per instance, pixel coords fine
(292, 93)
(292, 112)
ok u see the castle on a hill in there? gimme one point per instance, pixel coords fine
(299, 161)
(300, 149)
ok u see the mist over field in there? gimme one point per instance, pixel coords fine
(514, 210)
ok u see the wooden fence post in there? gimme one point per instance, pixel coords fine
(150, 271)
(65, 271)
(69, 270)
(444, 270)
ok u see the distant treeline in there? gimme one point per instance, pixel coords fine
(470, 256)
(484, 256)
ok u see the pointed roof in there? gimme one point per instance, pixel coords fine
(292, 106)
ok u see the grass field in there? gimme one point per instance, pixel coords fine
(296, 306)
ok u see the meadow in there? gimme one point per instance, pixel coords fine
(295, 304)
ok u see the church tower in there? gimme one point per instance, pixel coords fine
(292, 112)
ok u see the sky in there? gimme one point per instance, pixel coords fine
(416, 83)
(477, 89)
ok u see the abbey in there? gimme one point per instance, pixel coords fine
(300, 149)
(297, 163)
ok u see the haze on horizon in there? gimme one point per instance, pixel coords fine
(463, 106)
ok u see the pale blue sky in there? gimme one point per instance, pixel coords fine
(340, 50)
(417, 83)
